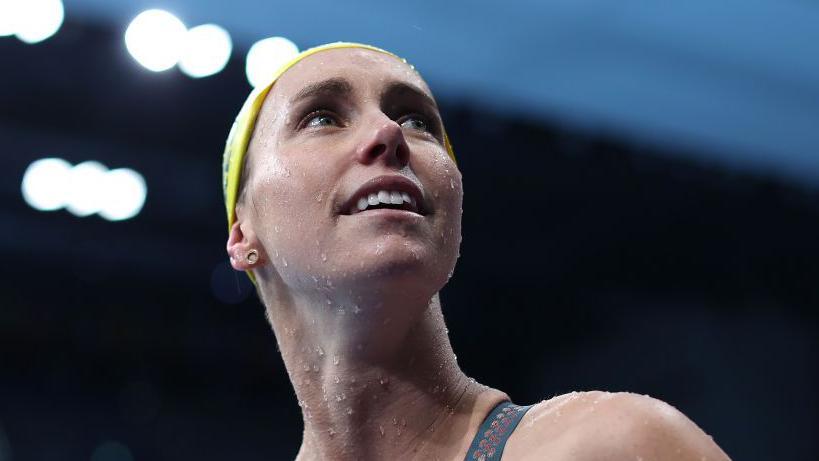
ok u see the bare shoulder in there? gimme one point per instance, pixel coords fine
(597, 425)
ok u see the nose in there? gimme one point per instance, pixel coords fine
(384, 142)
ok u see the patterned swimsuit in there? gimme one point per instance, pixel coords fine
(495, 431)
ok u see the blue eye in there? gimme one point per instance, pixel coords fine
(319, 119)
(415, 122)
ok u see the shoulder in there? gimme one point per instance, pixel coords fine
(602, 425)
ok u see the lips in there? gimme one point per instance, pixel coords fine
(388, 191)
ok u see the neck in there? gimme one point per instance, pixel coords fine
(377, 378)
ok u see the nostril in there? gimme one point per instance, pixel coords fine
(377, 150)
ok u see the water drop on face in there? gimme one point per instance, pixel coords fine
(324, 257)
(451, 183)
(337, 379)
(381, 430)
(335, 360)
(385, 380)
(349, 411)
(331, 432)
(285, 262)
(356, 309)
(319, 351)
(315, 367)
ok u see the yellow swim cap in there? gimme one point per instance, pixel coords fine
(242, 129)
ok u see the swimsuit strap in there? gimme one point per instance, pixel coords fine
(494, 431)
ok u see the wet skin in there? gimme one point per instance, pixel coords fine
(353, 298)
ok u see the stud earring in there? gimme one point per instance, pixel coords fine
(252, 256)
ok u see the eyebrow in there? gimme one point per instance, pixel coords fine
(340, 87)
(407, 89)
(332, 86)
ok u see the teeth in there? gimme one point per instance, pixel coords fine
(362, 204)
(383, 196)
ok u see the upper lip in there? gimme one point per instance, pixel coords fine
(388, 183)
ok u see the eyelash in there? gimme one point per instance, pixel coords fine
(429, 127)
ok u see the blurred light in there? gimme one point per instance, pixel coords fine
(45, 183)
(8, 15)
(84, 194)
(155, 39)
(88, 188)
(206, 50)
(266, 56)
(31, 20)
(112, 451)
(125, 193)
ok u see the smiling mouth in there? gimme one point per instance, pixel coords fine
(384, 199)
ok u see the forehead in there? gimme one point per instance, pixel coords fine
(362, 67)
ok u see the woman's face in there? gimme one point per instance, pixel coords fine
(337, 127)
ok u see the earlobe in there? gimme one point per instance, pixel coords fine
(244, 250)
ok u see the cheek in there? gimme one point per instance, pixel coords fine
(292, 203)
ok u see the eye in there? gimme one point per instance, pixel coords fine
(415, 122)
(318, 118)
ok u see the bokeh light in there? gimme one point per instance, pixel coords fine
(206, 50)
(45, 183)
(125, 193)
(266, 56)
(32, 21)
(155, 38)
(52, 183)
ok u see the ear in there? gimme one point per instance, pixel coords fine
(239, 244)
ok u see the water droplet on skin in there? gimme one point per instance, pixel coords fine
(324, 257)
(381, 430)
(285, 262)
(385, 380)
(356, 309)
(319, 351)
(335, 360)
(394, 421)
(331, 431)
(451, 183)
(337, 379)
(349, 411)
(319, 196)
(276, 228)
(306, 367)
(315, 367)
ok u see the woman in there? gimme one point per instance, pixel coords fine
(344, 207)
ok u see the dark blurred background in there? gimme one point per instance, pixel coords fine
(641, 214)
